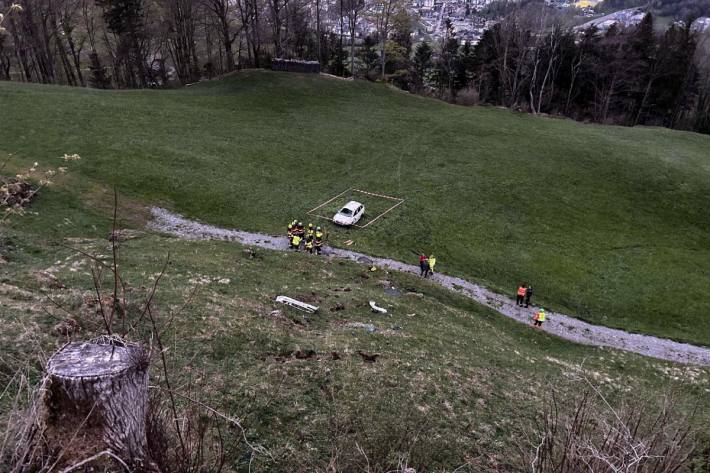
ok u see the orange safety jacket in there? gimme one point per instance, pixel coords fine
(521, 291)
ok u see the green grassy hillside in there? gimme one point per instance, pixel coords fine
(456, 387)
(610, 224)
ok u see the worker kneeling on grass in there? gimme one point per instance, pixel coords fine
(539, 318)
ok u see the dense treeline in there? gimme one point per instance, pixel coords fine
(141, 43)
(626, 76)
(527, 61)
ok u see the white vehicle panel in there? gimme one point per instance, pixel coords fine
(349, 214)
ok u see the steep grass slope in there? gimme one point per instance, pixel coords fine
(456, 387)
(606, 223)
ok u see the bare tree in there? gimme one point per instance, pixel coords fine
(353, 9)
(277, 8)
(318, 32)
(249, 13)
(181, 36)
(384, 9)
(512, 44)
(221, 9)
(546, 51)
(589, 434)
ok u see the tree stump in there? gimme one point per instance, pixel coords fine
(96, 400)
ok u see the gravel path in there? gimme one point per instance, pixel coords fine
(561, 325)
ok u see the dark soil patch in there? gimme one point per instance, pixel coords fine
(393, 291)
(16, 192)
(308, 298)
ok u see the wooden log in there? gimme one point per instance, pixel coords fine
(96, 400)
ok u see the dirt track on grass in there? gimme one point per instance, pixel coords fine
(558, 324)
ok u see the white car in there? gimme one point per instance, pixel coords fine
(350, 214)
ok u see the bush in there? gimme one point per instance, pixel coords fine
(468, 96)
(588, 434)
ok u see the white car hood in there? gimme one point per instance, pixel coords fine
(343, 219)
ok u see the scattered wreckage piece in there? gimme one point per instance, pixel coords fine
(302, 306)
(376, 308)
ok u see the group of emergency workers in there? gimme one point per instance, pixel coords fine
(310, 238)
(522, 296)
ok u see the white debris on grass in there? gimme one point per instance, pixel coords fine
(201, 280)
(686, 374)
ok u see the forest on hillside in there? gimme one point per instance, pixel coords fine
(677, 9)
(530, 60)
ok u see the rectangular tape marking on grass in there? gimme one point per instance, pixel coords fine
(378, 195)
(328, 202)
(399, 201)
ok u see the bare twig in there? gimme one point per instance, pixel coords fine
(95, 457)
(166, 377)
(255, 448)
(96, 276)
(362, 452)
(113, 239)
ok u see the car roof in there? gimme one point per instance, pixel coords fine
(352, 205)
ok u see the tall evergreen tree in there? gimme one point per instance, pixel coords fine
(421, 65)
(99, 78)
(368, 55)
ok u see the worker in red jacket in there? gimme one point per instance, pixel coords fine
(423, 265)
(520, 299)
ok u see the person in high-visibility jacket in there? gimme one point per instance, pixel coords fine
(539, 318)
(289, 231)
(311, 232)
(318, 240)
(309, 244)
(520, 295)
(432, 263)
(300, 231)
(296, 242)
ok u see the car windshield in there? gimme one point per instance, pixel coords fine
(346, 211)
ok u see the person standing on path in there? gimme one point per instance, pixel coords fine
(432, 263)
(296, 242)
(423, 265)
(520, 298)
(539, 318)
(528, 295)
(318, 240)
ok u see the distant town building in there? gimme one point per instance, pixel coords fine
(625, 18)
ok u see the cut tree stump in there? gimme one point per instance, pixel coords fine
(96, 400)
